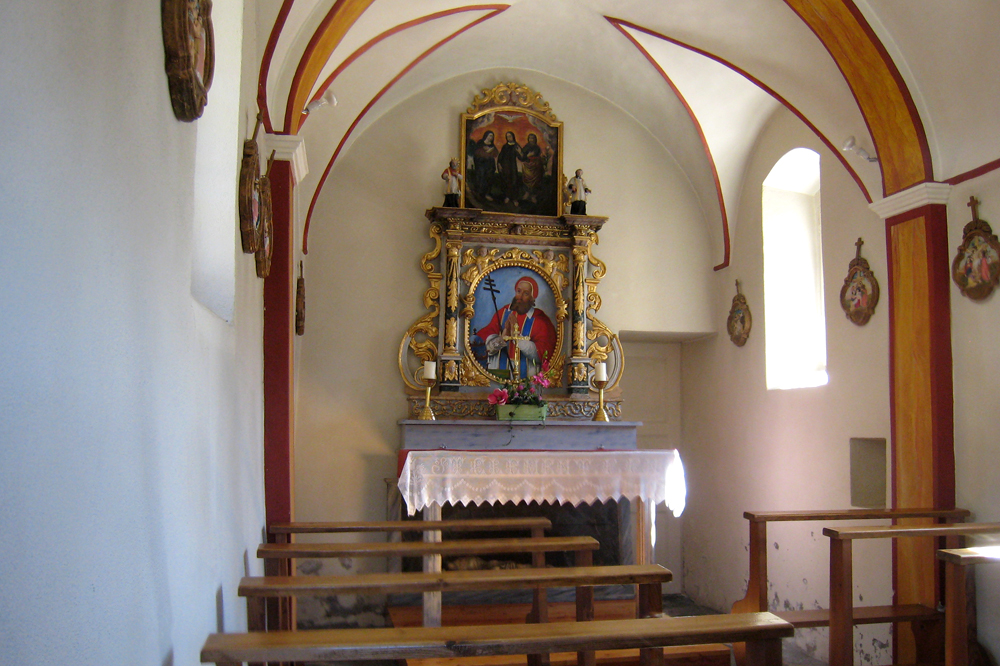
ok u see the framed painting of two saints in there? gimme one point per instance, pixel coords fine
(513, 162)
(516, 323)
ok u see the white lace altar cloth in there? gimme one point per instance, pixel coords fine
(567, 477)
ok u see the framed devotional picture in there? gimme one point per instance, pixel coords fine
(517, 320)
(511, 153)
(976, 268)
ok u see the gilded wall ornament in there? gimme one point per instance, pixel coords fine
(859, 295)
(976, 268)
(740, 321)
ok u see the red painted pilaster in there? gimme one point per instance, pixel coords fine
(279, 316)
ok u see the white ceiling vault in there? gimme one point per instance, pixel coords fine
(702, 76)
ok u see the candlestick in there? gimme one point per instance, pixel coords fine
(600, 414)
(430, 378)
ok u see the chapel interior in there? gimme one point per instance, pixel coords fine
(160, 409)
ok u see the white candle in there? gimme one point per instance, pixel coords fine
(601, 372)
(430, 369)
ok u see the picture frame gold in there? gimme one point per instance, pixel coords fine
(976, 268)
(860, 293)
(520, 173)
(189, 46)
(490, 302)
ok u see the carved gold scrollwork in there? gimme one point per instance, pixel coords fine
(477, 261)
(419, 338)
(453, 248)
(600, 269)
(605, 343)
(470, 375)
(554, 265)
(469, 311)
(511, 94)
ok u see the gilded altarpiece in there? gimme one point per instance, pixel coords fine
(484, 265)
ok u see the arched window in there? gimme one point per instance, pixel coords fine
(794, 312)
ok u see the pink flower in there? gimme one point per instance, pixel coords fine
(498, 397)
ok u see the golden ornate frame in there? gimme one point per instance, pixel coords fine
(514, 107)
(487, 263)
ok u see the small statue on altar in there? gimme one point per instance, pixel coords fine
(452, 178)
(578, 191)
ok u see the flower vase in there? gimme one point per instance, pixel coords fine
(522, 412)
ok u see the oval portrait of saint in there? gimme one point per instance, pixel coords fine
(514, 330)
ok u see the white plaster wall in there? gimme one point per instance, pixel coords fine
(975, 337)
(368, 233)
(752, 449)
(651, 388)
(130, 420)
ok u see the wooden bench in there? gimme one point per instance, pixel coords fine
(648, 578)
(842, 584)
(762, 633)
(581, 547)
(959, 614)
(282, 614)
(537, 526)
(755, 599)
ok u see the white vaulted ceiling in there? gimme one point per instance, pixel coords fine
(702, 76)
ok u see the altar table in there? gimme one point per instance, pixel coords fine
(569, 477)
(432, 478)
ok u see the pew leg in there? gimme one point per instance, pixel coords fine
(755, 600)
(764, 653)
(432, 563)
(650, 605)
(956, 647)
(585, 613)
(539, 604)
(841, 603)
(256, 616)
(539, 614)
(584, 604)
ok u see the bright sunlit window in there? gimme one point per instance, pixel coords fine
(794, 316)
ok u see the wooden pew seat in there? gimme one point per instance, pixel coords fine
(367, 526)
(504, 579)
(761, 631)
(583, 545)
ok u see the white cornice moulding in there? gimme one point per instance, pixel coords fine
(914, 197)
(289, 148)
